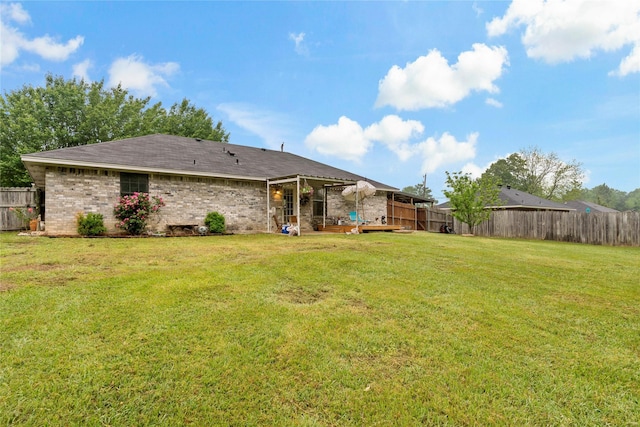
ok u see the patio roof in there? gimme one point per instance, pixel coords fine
(404, 197)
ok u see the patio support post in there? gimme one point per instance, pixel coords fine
(268, 207)
(324, 207)
(357, 225)
(393, 208)
(298, 204)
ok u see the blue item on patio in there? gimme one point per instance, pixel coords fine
(352, 216)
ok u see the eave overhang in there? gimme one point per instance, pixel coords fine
(36, 166)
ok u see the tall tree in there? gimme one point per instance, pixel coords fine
(541, 174)
(68, 113)
(606, 196)
(632, 202)
(187, 120)
(509, 171)
(469, 198)
(548, 176)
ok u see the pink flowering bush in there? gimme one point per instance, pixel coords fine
(133, 212)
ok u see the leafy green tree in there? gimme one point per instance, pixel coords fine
(186, 120)
(510, 171)
(606, 196)
(542, 174)
(68, 113)
(632, 202)
(470, 198)
(420, 189)
(548, 176)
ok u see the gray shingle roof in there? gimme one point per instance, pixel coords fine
(582, 206)
(190, 156)
(512, 198)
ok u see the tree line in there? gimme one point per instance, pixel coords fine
(544, 175)
(69, 113)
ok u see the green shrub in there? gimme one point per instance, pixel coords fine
(215, 222)
(90, 225)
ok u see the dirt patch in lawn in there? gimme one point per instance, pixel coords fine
(301, 295)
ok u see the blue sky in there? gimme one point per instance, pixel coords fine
(389, 90)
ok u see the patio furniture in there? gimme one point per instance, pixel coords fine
(353, 216)
(278, 225)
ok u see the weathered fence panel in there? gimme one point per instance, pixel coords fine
(413, 217)
(403, 214)
(433, 218)
(10, 197)
(615, 229)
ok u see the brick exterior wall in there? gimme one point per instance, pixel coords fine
(69, 191)
(373, 207)
(188, 200)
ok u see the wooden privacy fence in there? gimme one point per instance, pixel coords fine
(412, 217)
(615, 229)
(20, 197)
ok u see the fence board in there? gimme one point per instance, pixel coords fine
(615, 229)
(21, 197)
(412, 217)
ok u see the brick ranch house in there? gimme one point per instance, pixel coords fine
(254, 188)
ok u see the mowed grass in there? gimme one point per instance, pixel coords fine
(374, 330)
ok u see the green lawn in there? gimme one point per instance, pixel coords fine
(373, 330)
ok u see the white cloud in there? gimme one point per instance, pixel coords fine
(630, 64)
(474, 170)
(477, 9)
(29, 68)
(445, 150)
(48, 48)
(143, 78)
(15, 12)
(12, 41)
(493, 102)
(561, 31)
(81, 70)
(300, 48)
(430, 81)
(268, 125)
(348, 140)
(345, 140)
(395, 133)
(10, 44)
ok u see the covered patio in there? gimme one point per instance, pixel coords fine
(304, 203)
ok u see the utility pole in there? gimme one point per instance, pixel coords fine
(424, 185)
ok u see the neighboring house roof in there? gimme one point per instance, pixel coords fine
(187, 156)
(515, 199)
(582, 206)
